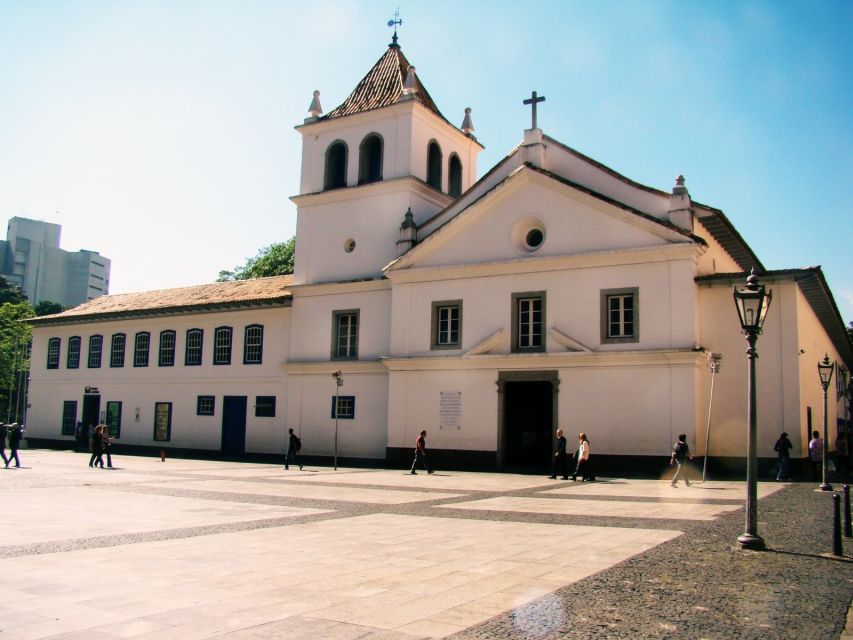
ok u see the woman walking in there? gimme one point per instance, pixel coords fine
(582, 469)
(97, 458)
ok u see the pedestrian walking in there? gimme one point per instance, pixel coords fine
(815, 454)
(16, 433)
(4, 434)
(841, 455)
(420, 453)
(97, 457)
(680, 456)
(106, 444)
(783, 448)
(294, 444)
(582, 454)
(559, 463)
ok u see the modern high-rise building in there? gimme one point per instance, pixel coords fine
(31, 259)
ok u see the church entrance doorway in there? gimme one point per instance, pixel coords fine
(234, 425)
(528, 418)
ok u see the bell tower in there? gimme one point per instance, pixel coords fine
(384, 151)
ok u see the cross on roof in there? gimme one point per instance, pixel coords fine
(532, 101)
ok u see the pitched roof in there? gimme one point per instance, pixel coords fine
(382, 86)
(205, 297)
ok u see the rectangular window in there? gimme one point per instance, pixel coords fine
(222, 345)
(265, 406)
(53, 346)
(96, 345)
(447, 324)
(205, 405)
(346, 407)
(69, 417)
(345, 335)
(167, 349)
(162, 421)
(113, 419)
(192, 354)
(141, 349)
(528, 321)
(73, 359)
(253, 344)
(620, 315)
(117, 350)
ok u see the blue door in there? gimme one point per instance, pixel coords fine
(234, 425)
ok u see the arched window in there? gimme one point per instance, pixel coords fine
(454, 176)
(336, 166)
(370, 159)
(434, 165)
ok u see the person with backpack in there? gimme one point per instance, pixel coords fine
(293, 446)
(680, 456)
(783, 447)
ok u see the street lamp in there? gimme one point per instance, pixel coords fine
(752, 303)
(339, 382)
(825, 370)
(714, 360)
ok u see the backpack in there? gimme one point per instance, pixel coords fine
(297, 443)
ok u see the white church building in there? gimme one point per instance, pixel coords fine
(552, 291)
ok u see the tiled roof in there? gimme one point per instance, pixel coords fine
(382, 86)
(205, 297)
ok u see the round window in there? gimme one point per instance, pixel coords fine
(534, 238)
(349, 245)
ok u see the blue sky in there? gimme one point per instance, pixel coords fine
(161, 133)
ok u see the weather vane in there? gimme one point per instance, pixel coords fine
(393, 23)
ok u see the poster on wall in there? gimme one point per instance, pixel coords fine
(163, 421)
(450, 410)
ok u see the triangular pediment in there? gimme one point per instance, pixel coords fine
(533, 215)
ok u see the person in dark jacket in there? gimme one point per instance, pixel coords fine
(293, 447)
(97, 457)
(16, 434)
(783, 448)
(559, 462)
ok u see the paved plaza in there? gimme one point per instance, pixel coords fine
(195, 549)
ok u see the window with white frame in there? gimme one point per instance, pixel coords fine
(447, 324)
(193, 350)
(343, 407)
(620, 315)
(142, 345)
(528, 321)
(222, 345)
(96, 346)
(72, 359)
(117, 350)
(253, 344)
(166, 357)
(53, 346)
(345, 335)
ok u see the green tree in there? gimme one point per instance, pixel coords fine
(273, 260)
(10, 293)
(46, 308)
(15, 338)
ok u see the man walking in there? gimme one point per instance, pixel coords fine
(560, 461)
(4, 434)
(680, 456)
(293, 446)
(816, 454)
(15, 442)
(420, 453)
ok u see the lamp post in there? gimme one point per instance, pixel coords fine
(752, 303)
(339, 382)
(714, 360)
(825, 370)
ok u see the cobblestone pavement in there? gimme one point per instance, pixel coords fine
(206, 549)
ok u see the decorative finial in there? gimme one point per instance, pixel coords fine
(533, 100)
(408, 220)
(467, 122)
(314, 110)
(410, 84)
(679, 189)
(394, 22)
